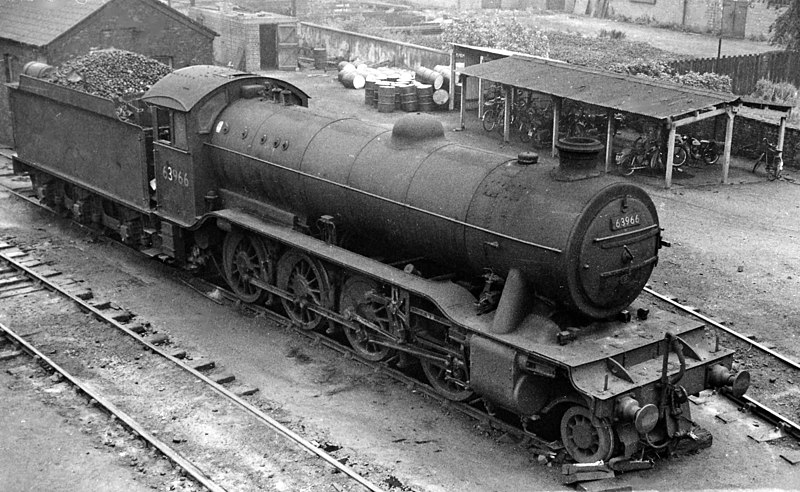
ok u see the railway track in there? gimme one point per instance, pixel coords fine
(110, 368)
(765, 357)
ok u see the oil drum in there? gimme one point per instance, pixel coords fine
(320, 58)
(386, 95)
(369, 91)
(408, 97)
(424, 97)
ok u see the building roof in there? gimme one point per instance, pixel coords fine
(40, 22)
(637, 95)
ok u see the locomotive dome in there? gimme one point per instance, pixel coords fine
(415, 128)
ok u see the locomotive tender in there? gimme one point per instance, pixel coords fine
(503, 278)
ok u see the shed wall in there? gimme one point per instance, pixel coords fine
(138, 27)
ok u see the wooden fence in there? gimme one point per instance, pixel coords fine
(746, 70)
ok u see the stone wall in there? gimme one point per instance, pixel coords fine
(369, 49)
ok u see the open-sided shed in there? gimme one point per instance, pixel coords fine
(670, 104)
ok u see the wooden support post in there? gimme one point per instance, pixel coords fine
(480, 94)
(609, 138)
(507, 113)
(726, 156)
(781, 136)
(673, 129)
(463, 78)
(451, 103)
(557, 106)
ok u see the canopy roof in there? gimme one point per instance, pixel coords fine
(645, 97)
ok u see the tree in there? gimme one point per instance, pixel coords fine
(786, 28)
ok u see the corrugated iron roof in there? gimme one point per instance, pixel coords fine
(38, 22)
(655, 99)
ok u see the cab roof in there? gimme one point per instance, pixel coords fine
(183, 89)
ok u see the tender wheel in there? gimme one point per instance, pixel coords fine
(437, 376)
(583, 440)
(244, 256)
(307, 280)
(679, 157)
(354, 299)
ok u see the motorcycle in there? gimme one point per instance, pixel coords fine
(687, 146)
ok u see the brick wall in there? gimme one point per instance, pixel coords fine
(704, 16)
(239, 42)
(139, 27)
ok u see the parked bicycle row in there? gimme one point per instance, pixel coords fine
(638, 144)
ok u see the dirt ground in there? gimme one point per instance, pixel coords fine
(735, 256)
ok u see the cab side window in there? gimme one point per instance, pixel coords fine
(171, 128)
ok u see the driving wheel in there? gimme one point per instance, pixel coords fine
(355, 299)
(245, 257)
(583, 440)
(307, 281)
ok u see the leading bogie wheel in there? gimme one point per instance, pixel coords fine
(444, 384)
(586, 439)
(356, 299)
(244, 256)
(307, 281)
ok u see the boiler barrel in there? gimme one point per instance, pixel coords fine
(464, 207)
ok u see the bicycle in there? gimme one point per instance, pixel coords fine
(772, 158)
(645, 154)
(494, 114)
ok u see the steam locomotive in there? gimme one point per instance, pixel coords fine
(504, 279)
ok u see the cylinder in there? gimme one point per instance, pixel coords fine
(352, 79)
(441, 97)
(446, 73)
(386, 96)
(428, 76)
(345, 65)
(37, 69)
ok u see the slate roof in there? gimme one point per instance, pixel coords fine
(40, 22)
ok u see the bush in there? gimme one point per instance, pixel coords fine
(781, 93)
(664, 72)
(492, 30)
